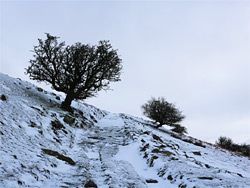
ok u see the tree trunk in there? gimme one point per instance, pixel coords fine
(67, 102)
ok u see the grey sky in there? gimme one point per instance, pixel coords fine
(194, 53)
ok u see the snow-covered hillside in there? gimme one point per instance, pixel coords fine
(44, 146)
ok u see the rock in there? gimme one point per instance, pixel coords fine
(19, 182)
(59, 156)
(145, 155)
(182, 186)
(90, 184)
(157, 138)
(205, 178)
(170, 177)
(39, 89)
(206, 165)
(3, 97)
(151, 181)
(151, 161)
(197, 153)
(58, 98)
(166, 153)
(68, 119)
(155, 151)
(146, 132)
(145, 147)
(56, 124)
(32, 124)
(239, 175)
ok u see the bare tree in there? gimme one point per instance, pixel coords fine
(162, 112)
(78, 70)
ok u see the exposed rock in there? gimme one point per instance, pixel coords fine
(32, 124)
(155, 151)
(151, 181)
(56, 124)
(90, 184)
(3, 97)
(145, 147)
(39, 89)
(59, 156)
(58, 98)
(239, 175)
(197, 153)
(151, 161)
(146, 132)
(20, 182)
(163, 152)
(206, 165)
(170, 177)
(69, 119)
(205, 178)
(156, 137)
(182, 186)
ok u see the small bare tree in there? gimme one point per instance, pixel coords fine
(163, 112)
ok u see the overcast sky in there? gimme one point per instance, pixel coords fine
(194, 53)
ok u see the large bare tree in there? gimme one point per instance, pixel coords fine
(78, 70)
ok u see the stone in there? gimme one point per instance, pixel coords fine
(68, 119)
(157, 138)
(56, 124)
(170, 177)
(3, 97)
(151, 181)
(90, 184)
(197, 153)
(59, 156)
(205, 178)
(39, 89)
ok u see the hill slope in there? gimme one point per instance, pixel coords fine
(44, 146)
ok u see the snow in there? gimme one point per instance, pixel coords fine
(112, 150)
(140, 165)
(111, 120)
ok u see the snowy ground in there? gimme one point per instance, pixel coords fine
(43, 146)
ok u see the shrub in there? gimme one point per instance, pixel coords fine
(224, 142)
(227, 143)
(179, 129)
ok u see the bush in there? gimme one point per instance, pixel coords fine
(179, 129)
(79, 70)
(162, 112)
(224, 142)
(227, 143)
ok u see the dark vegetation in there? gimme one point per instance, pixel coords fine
(228, 143)
(77, 70)
(164, 112)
